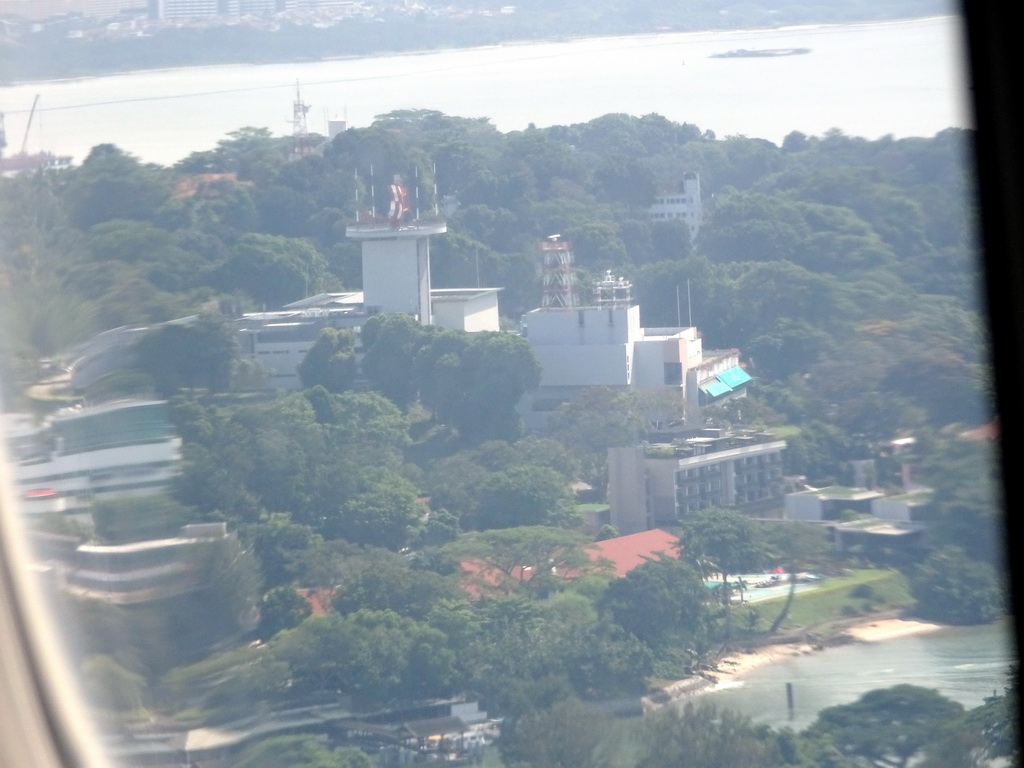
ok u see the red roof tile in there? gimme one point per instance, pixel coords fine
(627, 552)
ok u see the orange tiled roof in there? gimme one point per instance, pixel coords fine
(627, 552)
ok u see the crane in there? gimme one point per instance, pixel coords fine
(31, 114)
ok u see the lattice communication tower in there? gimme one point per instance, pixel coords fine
(300, 132)
(559, 287)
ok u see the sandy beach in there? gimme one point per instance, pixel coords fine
(733, 666)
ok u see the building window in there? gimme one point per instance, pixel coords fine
(673, 374)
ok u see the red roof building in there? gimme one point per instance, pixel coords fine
(627, 552)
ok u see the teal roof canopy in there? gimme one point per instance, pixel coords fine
(734, 377)
(715, 388)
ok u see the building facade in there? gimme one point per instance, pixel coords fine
(680, 202)
(40, 10)
(652, 486)
(118, 450)
(605, 346)
(143, 571)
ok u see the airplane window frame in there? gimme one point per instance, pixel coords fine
(42, 724)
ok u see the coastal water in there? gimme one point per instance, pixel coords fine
(901, 78)
(964, 663)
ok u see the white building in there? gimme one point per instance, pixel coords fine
(659, 485)
(194, 9)
(604, 346)
(830, 504)
(78, 455)
(465, 309)
(39, 10)
(396, 265)
(278, 341)
(142, 571)
(680, 202)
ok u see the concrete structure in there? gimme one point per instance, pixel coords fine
(883, 541)
(604, 346)
(143, 571)
(279, 340)
(821, 504)
(39, 10)
(680, 202)
(904, 507)
(829, 504)
(396, 265)
(118, 450)
(465, 309)
(193, 9)
(659, 485)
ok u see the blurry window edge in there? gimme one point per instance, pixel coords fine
(994, 57)
(44, 723)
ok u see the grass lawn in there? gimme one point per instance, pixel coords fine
(858, 593)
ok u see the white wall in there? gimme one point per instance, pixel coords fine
(802, 506)
(472, 313)
(627, 491)
(582, 326)
(578, 366)
(396, 276)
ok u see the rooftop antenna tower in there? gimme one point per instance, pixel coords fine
(559, 287)
(300, 132)
(613, 292)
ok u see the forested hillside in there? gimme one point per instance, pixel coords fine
(823, 257)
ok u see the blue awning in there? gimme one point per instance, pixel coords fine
(734, 377)
(715, 388)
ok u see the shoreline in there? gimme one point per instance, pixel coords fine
(413, 51)
(732, 666)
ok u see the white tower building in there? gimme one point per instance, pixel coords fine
(396, 257)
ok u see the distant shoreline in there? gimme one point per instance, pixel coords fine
(734, 665)
(511, 43)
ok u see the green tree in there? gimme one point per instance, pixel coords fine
(119, 521)
(385, 512)
(887, 727)
(568, 734)
(589, 425)
(280, 545)
(112, 687)
(723, 541)
(300, 752)
(535, 558)
(197, 353)
(950, 587)
(702, 736)
(385, 580)
(964, 475)
(281, 608)
(374, 656)
(113, 184)
(473, 382)
(524, 495)
(661, 601)
(273, 270)
(331, 361)
(390, 345)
